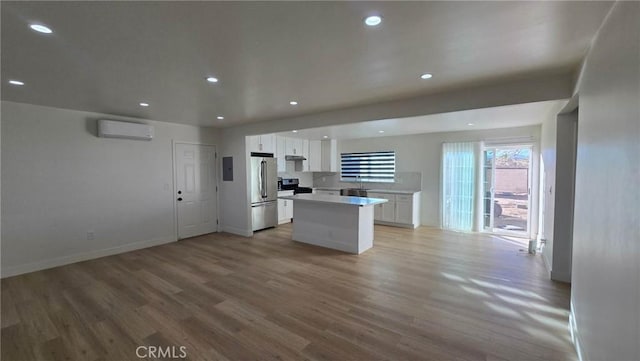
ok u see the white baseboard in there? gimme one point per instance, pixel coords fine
(79, 257)
(554, 275)
(575, 335)
(234, 230)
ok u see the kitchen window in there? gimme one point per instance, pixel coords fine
(368, 167)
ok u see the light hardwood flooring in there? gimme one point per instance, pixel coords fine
(422, 294)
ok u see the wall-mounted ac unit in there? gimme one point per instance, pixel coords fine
(117, 129)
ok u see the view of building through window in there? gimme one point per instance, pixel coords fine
(507, 189)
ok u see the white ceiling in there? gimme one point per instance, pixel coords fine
(109, 56)
(518, 115)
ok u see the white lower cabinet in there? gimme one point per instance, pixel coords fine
(404, 212)
(285, 207)
(389, 211)
(400, 210)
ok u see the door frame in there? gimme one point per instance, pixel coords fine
(530, 197)
(175, 182)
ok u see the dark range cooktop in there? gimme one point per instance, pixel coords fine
(302, 190)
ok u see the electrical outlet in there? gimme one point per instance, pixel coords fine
(91, 235)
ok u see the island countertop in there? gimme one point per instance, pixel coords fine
(325, 198)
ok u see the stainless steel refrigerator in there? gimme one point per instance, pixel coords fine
(264, 191)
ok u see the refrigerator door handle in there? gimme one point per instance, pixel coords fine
(260, 179)
(263, 183)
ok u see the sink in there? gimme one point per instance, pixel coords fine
(353, 192)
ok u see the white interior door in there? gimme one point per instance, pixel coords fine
(196, 189)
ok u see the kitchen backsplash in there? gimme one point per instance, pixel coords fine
(404, 181)
(306, 178)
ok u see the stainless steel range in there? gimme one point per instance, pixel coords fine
(293, 184)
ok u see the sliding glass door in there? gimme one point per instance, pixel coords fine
(507, 189)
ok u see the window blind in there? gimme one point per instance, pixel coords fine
(368, 167)
(458, 185)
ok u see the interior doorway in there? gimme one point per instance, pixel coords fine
(196, 189)
(507, 189)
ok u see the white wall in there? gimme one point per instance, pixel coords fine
(423, 153)
(233, 195)
(558, 146)
(605, 290)
(566, 140)
(548, 172)
(60, 181)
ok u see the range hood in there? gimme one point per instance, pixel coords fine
(294, 157)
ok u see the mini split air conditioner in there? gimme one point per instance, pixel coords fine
(117, 129)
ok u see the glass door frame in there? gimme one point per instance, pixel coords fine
(494, 147)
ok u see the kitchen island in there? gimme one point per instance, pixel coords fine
(337, 222)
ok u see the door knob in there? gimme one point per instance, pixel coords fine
(180, 199)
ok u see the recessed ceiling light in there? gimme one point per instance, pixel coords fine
(293, 102)
(325, 136)
(426, 76)
(373, 20)
(381, 131)
(212, 79)
(294, 131)
(469, 123)
(16, 82)
(220, 117)
(144, 104)
(41, 28)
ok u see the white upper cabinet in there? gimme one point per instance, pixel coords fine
(329, 155)
(293, 146)
(303, 166)
(253, 143)
(268, 143)
(288, 149)
(313, 150)
(315, 156)
(262, 143)
(305, 153)
(280, 151)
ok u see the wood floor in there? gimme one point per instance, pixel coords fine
(420, 294)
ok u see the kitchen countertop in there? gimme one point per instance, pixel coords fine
(321, 198)
(389, 191)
